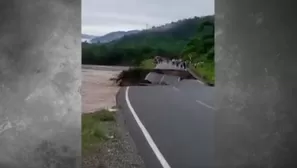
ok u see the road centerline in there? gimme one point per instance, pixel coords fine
(146, 134)
(161, 80)
(199, 81)
(204, 104)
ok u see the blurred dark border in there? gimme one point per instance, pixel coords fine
(40, 60)
(256, 96)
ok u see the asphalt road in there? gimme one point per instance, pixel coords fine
(172, 125)
(157, 78)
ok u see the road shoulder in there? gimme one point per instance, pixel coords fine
(113, 148)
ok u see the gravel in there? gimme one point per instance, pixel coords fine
(117, 152)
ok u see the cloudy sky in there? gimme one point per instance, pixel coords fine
(100, 17)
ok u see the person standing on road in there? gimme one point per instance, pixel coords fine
(155, 61)
(184, 64)
(180, 62)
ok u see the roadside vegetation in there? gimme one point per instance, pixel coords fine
(190, 39)
(147, 64)
(205, 72)
(105, 143)
(200, 52)
(96, 129)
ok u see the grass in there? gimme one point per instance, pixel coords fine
(148, 64)
(94, 128)
(205, 71)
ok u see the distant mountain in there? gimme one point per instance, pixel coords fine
(113, 36)
(87, 38)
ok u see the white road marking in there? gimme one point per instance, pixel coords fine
(204, 104)
(196, 79)
(199, 81)
(162, 78)
(175, 88)
(178, 79)
(146, 134)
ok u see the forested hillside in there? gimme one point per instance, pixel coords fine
(200, 51)
(191, 39)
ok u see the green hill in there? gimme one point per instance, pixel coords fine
(191, 39)
(170, 37)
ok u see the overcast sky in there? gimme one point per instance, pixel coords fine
(103, 16)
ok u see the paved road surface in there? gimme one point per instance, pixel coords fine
(156, 78)
(173, 125)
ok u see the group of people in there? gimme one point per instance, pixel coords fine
(180, 63)
(177, 62)
(158, 60)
